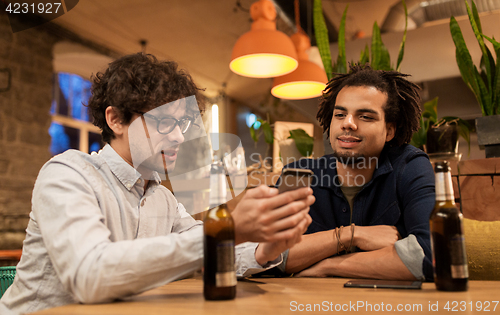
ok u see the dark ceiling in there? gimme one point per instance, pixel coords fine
(306, 18)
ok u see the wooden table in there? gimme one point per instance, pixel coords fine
(296, 295)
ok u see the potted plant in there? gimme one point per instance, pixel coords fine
(378, 57)
(301, 144)
(484, 83)
(440, 136)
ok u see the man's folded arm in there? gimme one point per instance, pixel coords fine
(383, 263)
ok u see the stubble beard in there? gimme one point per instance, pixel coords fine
(351, 159)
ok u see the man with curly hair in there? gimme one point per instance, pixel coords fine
(374, 195)
(102, 227)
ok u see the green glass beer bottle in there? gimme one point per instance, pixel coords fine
(219, 277)
(449, 258)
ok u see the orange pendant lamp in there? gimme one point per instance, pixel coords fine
(263, 52)
(307, 81)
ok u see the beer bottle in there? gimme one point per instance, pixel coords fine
(447, 238)
(219, 276)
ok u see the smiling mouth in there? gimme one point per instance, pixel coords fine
(349, 139)
(348, 142)
(169, 155)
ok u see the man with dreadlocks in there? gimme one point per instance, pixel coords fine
(375, 193)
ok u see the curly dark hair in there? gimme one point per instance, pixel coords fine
(137, 83)
(403, 99)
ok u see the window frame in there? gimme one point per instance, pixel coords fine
(83, 127)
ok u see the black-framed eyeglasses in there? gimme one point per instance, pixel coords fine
(167, 124)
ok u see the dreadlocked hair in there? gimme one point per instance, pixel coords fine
(403, 99)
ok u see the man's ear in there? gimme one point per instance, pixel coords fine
(113, 120)
(391, 132)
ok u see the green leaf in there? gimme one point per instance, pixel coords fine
(402, 46)
(429, 117)
(476, 27)
(321, 33)
(485, 84)
(496, 77)
(484, 96)
(475, 16)
(486, 58)
(496, 45)
(334, 68)
(303, 141)
(464, 60)
(268, 132)
(376, 47)
(484, 70)
(341, 63)
(253, 133)
(381, 59)
(430, 110)
(420, 137)
(365, 56)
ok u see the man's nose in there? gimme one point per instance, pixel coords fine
(349, 123)
(176, 135)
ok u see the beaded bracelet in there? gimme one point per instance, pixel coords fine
(336, 233)
(352, 237)
(340, 245)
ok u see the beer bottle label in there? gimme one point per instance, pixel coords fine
(458, 257)
(226, 273)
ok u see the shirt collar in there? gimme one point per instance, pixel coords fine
(385, 165)
(125, 173)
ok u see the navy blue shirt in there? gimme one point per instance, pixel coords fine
(400, 193)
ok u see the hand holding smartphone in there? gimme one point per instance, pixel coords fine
(294, 178)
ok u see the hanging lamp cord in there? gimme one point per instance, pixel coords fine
(297, 17)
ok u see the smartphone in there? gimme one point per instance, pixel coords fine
(384, 284)
(294, 178)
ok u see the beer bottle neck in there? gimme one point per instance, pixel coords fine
(444, 187)
(218, 190)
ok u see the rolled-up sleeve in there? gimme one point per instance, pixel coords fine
(412, 255)
(246, 264)
(416, 185)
